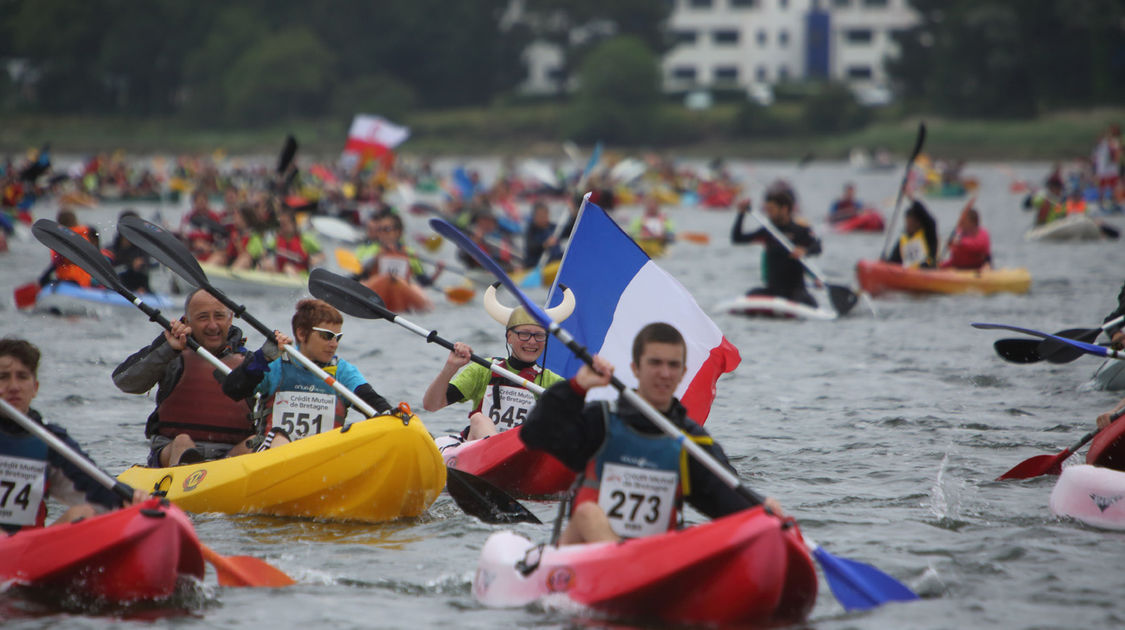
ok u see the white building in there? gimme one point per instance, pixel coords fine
(748, 44)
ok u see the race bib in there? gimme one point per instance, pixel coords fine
(515, 403)
(302, 414)
(396, 266)
(638, 501)
(22, 482)
(654, 226)
(914, 253)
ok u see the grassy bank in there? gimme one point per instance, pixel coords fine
(533, 129)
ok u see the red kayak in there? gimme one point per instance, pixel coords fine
(131, 554)
(1108, 447)
(867, 220)
(504, 461)
(749, 568)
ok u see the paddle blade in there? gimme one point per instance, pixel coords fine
(288, 150)
(432, 243)
(533, 279)
(25, 294)
(346, 294)
(1036, 466)
(1059, 352)
(245, 570)
(859, 586)
(699, 238)
(1018, 350)
(163, 246)
(348, 260)
(75, 247)
(460, 295)
(843, 298)
(482, 500)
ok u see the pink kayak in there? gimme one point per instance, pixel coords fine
(1094, 493)
(747, 568)
(503, 460)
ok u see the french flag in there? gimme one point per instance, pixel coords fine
(619, 290)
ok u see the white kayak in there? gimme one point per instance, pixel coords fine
(1110, 375)
(1091, 494)
(1078, 227)
(336, 229)
(771, 306)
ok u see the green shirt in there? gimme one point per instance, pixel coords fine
(473, 380)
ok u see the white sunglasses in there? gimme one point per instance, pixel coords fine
(328, 335)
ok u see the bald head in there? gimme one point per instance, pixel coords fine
(209, 320)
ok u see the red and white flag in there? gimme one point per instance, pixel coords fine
(373, 137)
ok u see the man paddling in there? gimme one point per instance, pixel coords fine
(29, 470)
(193, 420)
(785, 275)
(633, 479)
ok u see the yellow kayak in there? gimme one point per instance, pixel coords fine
(219, 276)
(377, 470)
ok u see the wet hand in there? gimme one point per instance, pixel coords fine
(460, 355)
(1118, 339)
(601, 374)
(1104, 419)
(798, 253)
(177, 336)
(774, 507)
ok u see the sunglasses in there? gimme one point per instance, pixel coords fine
(528, 336)
(328, 335)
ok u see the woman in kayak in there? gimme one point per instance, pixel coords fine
(917, 246)
(498, 403)
(633, 480)
(785, 275)
(29, 471)
(969, 247)
(295, 402)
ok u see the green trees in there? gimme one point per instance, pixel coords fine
(618, 94)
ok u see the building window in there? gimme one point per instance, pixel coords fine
(726, 74)
(685, 37)
(859, 72)
(684, 73)
(858, 36)
(699, 4)
(763, 37)
(841, 4)
(743, 4)
(761, 74)
(875, 4)
(726, 37)
(783, 73)
(783, 38)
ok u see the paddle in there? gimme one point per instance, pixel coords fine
(349, 262)
(1018, 350)
(1051, 464)
(858, 586)
(843, 298)
(1056, 352)
(1084, 347)
(163, 246)
(918, 142)
(26, 294)
(699, 238)
(232, 570)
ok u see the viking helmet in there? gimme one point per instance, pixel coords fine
(511, 317)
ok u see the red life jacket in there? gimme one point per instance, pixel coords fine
(199, 408)
(293, 246)
(68, 271)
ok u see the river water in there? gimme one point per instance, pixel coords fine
(881, 433)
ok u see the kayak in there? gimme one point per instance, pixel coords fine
(1110, 375)
(1078, 227)
(398, 295)
(1092, 493)
(242, 279)
(746, 568)
(67, 298)
(772, 306)
(373, 470)
(503, 460)
(867, 220)
(131, 554)
(876, 277)
(654, 247)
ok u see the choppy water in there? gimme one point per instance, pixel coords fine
(881, 434)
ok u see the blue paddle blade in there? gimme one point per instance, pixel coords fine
(860, 586)
(533, 279)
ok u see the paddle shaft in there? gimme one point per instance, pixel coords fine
(123, 490)
(921, 139)
(786, 243)
(1086, 347)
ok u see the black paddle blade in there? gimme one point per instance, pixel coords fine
(288, 150)
(1018, 350)
(1059, 352)
(843, 298)
(485, 501)
(165, 247)
(73, 246)
(918, 142)
(346, 294)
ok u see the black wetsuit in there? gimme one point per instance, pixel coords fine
(785, 275)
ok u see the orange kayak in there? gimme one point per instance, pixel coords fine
(877, 277)
(400, 296)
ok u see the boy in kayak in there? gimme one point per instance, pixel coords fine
(295, 402)
(633, 480)
(29, 470)
(785, 275)
(193, 420)
(917, 246)
(498, 403)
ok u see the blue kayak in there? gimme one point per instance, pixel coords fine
(69, 298)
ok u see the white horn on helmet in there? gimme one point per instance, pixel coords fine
(515, 316)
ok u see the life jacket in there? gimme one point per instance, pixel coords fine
(913, 250)
(303, 404)
(198, 407)
(506, 403)
(639, 479)
(68, 271)
(23, 463)
(294, 246)
(1075, 206)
